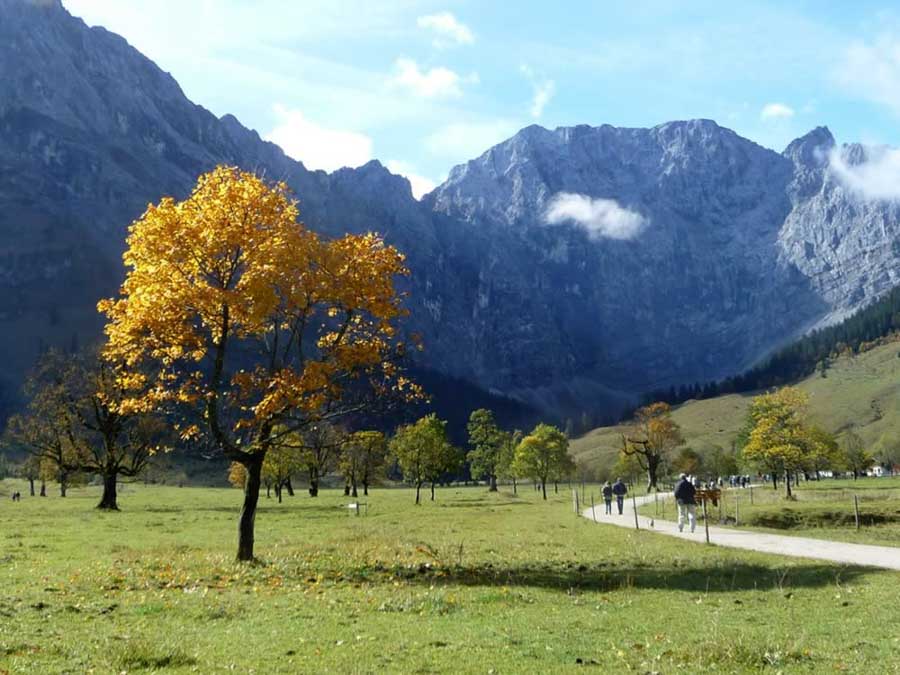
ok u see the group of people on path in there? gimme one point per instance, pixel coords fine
(17, 496)
(617, 490)
(685, 498)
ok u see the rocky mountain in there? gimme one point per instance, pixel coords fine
(572, 268)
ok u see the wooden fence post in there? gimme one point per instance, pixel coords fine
(705, 521)
(737, 509)
(856, 509)
(593, 508)
(634, 507)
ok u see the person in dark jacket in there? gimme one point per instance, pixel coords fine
(607, 493)
(686, 499)
(619, 489)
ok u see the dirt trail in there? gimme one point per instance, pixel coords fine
(886, 557)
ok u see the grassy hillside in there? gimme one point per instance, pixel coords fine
(862, 390)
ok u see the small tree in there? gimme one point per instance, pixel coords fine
(628, 467)
(248, 321)
(319, 446)
(487, 441)
(237, 475)
(688, 461)
(824, 451)
(855, 456)
(362, 456)
(652, 438)
(281, 464)
(720, 461)
(506, 466)
(543, 455)
(780, 439)
(889, 451)
(80, 420)
(423, 452)
(30, 470)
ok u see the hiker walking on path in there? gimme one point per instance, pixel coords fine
(619, 489)
(685, 498)
(607, 493)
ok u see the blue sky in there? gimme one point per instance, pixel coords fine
(424, 85)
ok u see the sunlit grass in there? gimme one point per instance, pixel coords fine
(471, 583)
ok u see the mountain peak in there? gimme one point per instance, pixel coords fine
(811, 149)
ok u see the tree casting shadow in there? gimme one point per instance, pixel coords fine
(609, 577)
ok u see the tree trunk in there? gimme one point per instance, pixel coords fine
(787, 482)
(247, 520)
(268, 490)
(432, 490)
(31, 485)
(652, 469)
(555, 487)
(544, 488)
(366, 488)
(63, 486)
(774, 481)
(418, 488)
(290, 488)
(493, 487)
(353, 491)
(278, 492)
(43, 488)
(109, 499)
(346, 489)
(515, 487)
(313, 484)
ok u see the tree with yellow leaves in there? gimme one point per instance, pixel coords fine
(651, 439)
(781, 441)
(236, 311)
(543, 455)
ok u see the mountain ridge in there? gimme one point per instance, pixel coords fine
(740, 247)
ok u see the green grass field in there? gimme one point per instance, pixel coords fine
(823, 509)
(861, 391)
(475, 582)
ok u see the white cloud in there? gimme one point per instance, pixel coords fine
(316, 146)
(461, 141)
(600, 217)
(873, 71)
(436, 82)
(447, 29)
(421, 185)
(776, 111)
(542, 91)
(876, 178)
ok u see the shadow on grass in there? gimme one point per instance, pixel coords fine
(271, 507)
(478, 503)
(608, 577)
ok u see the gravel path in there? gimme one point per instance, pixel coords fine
(887, 557)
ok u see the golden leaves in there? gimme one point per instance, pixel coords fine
(232, 265)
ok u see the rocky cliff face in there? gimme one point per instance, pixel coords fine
(571, 267)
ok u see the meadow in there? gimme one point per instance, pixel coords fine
(474, 582)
